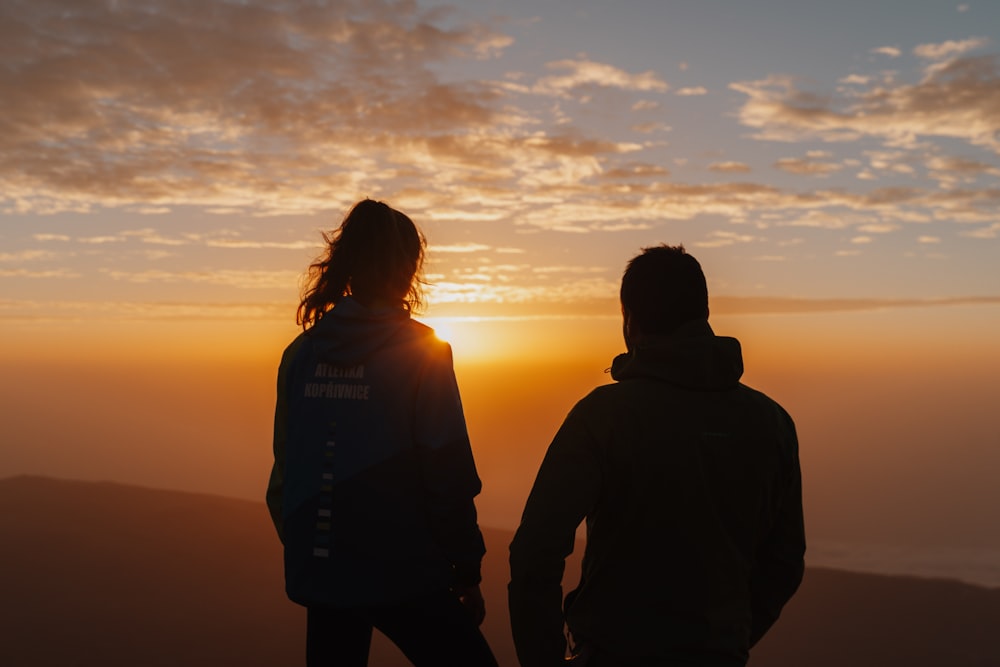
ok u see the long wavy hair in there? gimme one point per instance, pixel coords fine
(375, 256)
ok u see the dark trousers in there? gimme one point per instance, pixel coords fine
(432, 631)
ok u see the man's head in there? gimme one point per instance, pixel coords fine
(662, 288)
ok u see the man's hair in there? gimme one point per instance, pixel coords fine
(662, 288)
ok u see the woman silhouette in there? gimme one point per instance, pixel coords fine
(373, 481)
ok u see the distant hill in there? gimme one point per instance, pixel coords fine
(100, 574)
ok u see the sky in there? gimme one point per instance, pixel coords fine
(167, 168)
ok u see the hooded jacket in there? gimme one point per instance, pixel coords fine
(373, 480)
(690, 486)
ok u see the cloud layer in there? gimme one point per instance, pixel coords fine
(285, 107)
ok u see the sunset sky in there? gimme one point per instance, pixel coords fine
(167, 166)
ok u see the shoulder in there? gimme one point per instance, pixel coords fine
(597, 404)
(766, 402)
(419, 330)
(775, 419)
(421, 342)
(292, 348)
(415, 331)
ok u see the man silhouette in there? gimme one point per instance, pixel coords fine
(690, 485)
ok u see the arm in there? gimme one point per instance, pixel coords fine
(780, 558)
(448, 471)
(275, 485)
(565, 492)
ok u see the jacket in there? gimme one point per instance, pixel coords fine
(373, 481)
(690, 486)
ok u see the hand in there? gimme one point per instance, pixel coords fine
(472, 598)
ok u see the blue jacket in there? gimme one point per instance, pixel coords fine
(373, 481)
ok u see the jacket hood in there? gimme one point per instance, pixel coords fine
(692, 357)
(349, 333)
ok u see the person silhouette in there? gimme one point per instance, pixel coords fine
(690, 486)
(373, 484)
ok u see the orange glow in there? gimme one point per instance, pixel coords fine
(885, 405)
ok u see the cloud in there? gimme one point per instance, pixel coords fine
(990, 232)
(692, 91)
(208, 104)
(460, 248)
(69, 311)
(856, 79)
(568, 269)
(636, 170)
(961, 165)
(719, 239)
(294, 147)
(645, 105)
(949, 171)
(41, 273)
(929, 239)
(649, 128)
(764, 305)
(216, 239)
(493, 292)
(276, 107)
(958, 99)
(26, 256)
(729, 167)
(807, 167)
(879, 227)
(584, 72)
(891, 51)
(99, 240)
(243, 279)
(244, 244)
(949, 49)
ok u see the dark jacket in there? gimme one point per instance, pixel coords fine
(373, 481)
(690, 486)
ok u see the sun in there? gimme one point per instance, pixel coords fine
(443, 330)
(468, 337)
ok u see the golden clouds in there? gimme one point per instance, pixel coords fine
(579, 72)
(729, 167)
(807, 166)
(949, 49)
(289, 109)
(248, 105)
(285, 107)
(242, 279)
(958, 98)
(271, 108)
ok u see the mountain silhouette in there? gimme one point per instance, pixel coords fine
(103, 574)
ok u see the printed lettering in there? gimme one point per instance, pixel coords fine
(337, 390)
(324, 370)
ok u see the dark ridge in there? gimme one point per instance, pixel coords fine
(95, 573)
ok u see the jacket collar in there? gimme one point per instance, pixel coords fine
(692, 357)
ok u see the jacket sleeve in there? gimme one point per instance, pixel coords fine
(275, 484)
(448, 470)
(564, 493)
(780, 561)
